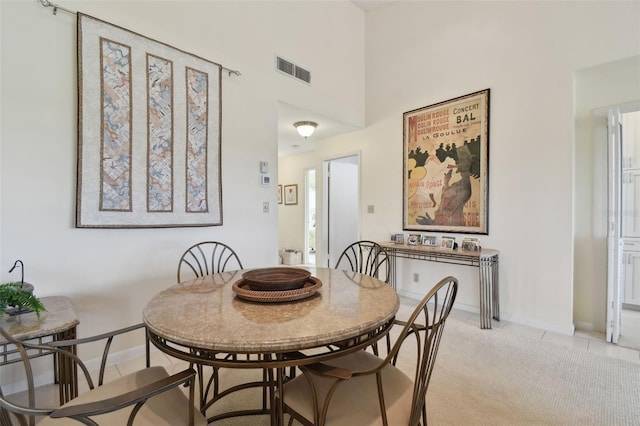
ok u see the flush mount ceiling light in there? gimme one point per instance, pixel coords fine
(305, 128)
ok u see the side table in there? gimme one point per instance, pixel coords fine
(57, 323)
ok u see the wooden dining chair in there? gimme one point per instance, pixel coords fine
(205, 258)
(363, 389)
(149, 396)
(366, 257)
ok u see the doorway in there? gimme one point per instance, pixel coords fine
(341, 197)
(310, 217)
(623, 287)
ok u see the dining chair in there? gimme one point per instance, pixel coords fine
(205, 258)
(366, 257)
(363, 389)
(149, 396)
(369, 258)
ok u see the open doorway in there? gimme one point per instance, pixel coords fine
(310, 217)
(623, 288)
(341, 198)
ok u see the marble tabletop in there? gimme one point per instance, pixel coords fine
(205, 313)
(59, 316)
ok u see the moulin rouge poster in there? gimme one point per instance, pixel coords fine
(445, 165)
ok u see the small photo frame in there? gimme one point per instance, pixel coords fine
(471, 245)
(428, 240)
(397, 238)
(279, 194)
(413, 239)
(448, 243)
(290, 194)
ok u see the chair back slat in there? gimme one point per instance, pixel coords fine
(426, 325)
(206, 258)
(366, 257)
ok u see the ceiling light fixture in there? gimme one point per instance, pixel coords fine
(305, 128)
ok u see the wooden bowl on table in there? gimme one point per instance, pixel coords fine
(276, 279)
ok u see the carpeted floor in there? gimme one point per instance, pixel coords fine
(491, 377)
(497, 378)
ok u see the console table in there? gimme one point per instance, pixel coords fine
(57, 323)
(486, 260)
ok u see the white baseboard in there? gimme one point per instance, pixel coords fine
(569, 330)
(584, 326)
(460, 306)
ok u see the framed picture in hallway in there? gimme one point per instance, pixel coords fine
(446, 151)
(291, 194)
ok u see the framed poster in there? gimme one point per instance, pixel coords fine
(446, 152)
(279, 194)
(149, 118)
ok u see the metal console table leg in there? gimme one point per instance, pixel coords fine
(486, 261)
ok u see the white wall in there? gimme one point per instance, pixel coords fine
(420, 53)
(110, 274)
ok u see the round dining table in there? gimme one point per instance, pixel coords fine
(211, 321)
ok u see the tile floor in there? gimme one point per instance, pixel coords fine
(587, 341)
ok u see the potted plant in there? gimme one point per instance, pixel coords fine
(17, 298)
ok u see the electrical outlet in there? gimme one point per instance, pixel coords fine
(265, 207)
(416, 277)
(370, 208)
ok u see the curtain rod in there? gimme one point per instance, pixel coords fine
(47, 3)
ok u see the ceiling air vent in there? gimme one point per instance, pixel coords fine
(293, 70)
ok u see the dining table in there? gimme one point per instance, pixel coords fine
(218, 321)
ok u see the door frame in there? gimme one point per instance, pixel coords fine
(615, 242)
(614, 225)
(324, 256)
(308, 197)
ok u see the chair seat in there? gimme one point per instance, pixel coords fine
(356, 396)
(168, 408)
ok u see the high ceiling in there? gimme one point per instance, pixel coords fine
(289, 142)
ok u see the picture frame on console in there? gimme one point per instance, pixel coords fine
(445, 171)
(397, 238)
(470, 244)
(448, 243)
(413, 240)
(429, 240)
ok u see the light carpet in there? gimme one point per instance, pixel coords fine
(492, 377)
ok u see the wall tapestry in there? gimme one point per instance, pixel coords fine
(149, 138)
(446, 151)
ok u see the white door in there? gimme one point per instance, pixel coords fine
(614, 241)
(342, 205)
